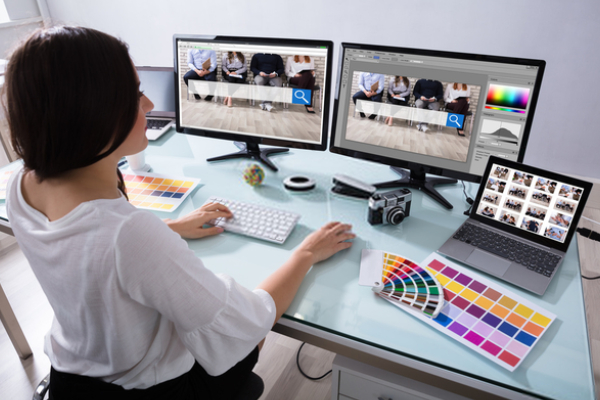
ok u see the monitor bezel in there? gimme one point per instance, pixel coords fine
(554, 244)
(236, 137)
(424, 166)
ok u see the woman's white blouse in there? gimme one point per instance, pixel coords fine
(133, 304)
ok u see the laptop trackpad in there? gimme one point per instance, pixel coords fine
(488, 262)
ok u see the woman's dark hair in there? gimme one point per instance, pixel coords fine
(404, 80)
(239, 55)
(71, 98)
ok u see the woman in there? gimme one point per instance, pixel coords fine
(300, 71)
(398, 94)
(233, 70)
(136, 312)
(457, 97)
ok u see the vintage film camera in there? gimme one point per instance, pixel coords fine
(390, 207)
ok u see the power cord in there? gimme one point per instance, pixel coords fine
(589, 234)
(302, 372)
(467, 199)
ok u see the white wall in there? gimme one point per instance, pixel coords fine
(565, 136)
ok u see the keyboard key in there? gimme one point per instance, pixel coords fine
(533, 258)
(256, 221)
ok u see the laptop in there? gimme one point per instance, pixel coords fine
(521, 224)
(157, 83)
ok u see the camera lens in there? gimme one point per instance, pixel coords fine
(395, 215)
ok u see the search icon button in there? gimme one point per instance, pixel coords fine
(301, 96)
(455, 120)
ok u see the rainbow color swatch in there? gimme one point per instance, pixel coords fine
(407, 284)
(505, 109)
(484, 316)
(507, 96)
(156, 192)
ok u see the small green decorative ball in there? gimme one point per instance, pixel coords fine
(254, 175)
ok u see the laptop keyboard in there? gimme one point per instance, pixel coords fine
(157, 123)
(535, 259)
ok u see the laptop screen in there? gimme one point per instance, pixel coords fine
(535, 203)
(157, 83)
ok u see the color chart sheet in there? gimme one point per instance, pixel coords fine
(157, 192)
(485, 316)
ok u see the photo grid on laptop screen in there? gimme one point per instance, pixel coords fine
(530, 202)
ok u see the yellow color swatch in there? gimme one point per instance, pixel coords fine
(507, 302)
(167, 182)
(152, 187)
(166, 206)
(443, 279)
(524, 311)
(455, 287)
(484, 302)
(469, 295)
(187, 184)
(177, 183)
(155, 205)
(142, 185)
(541, 319)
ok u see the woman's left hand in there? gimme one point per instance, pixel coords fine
(191, 226)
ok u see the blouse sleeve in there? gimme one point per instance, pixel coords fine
(224, 63)
(218, 320)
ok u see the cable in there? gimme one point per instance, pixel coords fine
(590, 278)
(588, 233)
(467, 199)
(302, 372)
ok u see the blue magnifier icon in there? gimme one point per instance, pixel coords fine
(299, 94)
(455, 120)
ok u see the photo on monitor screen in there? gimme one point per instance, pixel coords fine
(253, 89)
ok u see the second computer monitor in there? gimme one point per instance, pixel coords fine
(254, 91)
(435, 112)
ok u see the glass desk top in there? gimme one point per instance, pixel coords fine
(559, 366)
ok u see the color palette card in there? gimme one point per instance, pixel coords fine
(485, 316)
(157, 192)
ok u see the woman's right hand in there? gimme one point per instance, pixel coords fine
(325, 242)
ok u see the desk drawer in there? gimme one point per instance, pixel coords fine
(362, 388)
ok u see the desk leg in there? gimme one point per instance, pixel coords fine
(12, 327)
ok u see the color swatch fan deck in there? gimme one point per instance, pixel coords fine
(406, 284)
(157, 192)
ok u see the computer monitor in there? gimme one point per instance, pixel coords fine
(432, 112)
(253, 91)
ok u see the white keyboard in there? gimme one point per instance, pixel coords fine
(256, 221)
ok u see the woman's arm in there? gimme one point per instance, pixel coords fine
(283, 284)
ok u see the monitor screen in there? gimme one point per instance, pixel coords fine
(253, 90)
(157, 85)
(433, 112)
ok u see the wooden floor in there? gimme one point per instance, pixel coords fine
(291, 123)
(277, 362)
(438, 141)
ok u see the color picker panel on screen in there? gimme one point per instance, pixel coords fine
(501, 96)
(156, 192)
(484, 316)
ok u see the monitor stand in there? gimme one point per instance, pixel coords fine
(419, 180)
(251, 150)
